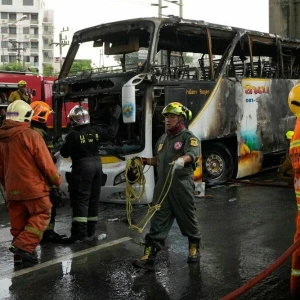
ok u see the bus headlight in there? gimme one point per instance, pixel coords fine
(120, 178)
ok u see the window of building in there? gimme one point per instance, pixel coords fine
(26, 58)
(4, 15)
(12, 30)
(34, 17)
(34, 45)
(27, 2)
(4, 29)
(12, 45)
(6, 2)
(12, 16)
(4, 44)
(12, 58)
(36, 30)
(4, 58)
(25, 30)
(35, 59)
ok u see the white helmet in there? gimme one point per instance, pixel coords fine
(79, 116)
(19, 111)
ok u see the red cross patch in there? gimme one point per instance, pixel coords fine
(177, 145)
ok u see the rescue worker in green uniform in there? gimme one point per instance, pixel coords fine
(178, 149)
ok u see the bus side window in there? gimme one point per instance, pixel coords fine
(257, 69)
(237, 66)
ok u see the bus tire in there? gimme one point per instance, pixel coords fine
(217, 164)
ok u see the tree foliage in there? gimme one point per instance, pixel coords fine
(81, 65)
(48, 70)
(16, 66)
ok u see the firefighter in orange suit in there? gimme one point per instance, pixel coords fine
(294, 104)
(26, 171)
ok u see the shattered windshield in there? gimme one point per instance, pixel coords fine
(115, 49)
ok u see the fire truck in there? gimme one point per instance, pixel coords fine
(40, 88)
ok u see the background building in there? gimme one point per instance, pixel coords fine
(26, 34)
(284, 18)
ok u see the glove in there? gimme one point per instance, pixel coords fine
(116, 112)
(142, 159)
(177, 164)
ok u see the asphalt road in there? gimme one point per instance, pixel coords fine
(245, 228)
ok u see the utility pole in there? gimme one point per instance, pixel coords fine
(17, 47)
(160, 7)
(6, 30)
(62, 42)
(180, 4)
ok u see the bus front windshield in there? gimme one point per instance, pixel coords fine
(116, 50)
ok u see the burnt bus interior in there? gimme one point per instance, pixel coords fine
(182, 54)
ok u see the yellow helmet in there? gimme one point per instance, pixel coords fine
(289, 134)
(22, 83)
(294, 100)
(19, 111)
(41, 111)
(177, 108)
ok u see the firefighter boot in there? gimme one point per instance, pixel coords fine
(194, 253)
(52, 236)
(26, 256)
(148, 260)
(91, 230)
(17, 259)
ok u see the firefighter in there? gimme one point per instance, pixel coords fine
(177, 148)
(294, 104)
(26, 171)
(285, 170)
(81, 144)
(22, 93)
(41, 112)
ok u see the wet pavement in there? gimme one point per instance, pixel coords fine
(245, 228)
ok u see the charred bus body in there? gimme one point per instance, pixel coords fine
(234, 81)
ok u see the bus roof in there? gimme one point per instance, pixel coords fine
(86, 33)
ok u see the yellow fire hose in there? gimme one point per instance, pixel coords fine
(135, 180)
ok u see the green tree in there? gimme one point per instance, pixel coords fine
(81, 65)
(48, 70)
(16, 66)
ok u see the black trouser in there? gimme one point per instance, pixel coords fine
(54, 198)
(85, 190)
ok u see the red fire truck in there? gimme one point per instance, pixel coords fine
(40, 88)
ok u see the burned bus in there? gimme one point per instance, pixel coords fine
(235, 82)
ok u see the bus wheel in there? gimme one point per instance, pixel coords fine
(217, 164)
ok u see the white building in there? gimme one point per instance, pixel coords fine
(26, 33)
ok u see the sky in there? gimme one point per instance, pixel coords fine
(76, 14)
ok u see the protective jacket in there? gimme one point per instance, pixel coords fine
(78, 145)
(23, 149)
(17, 95)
